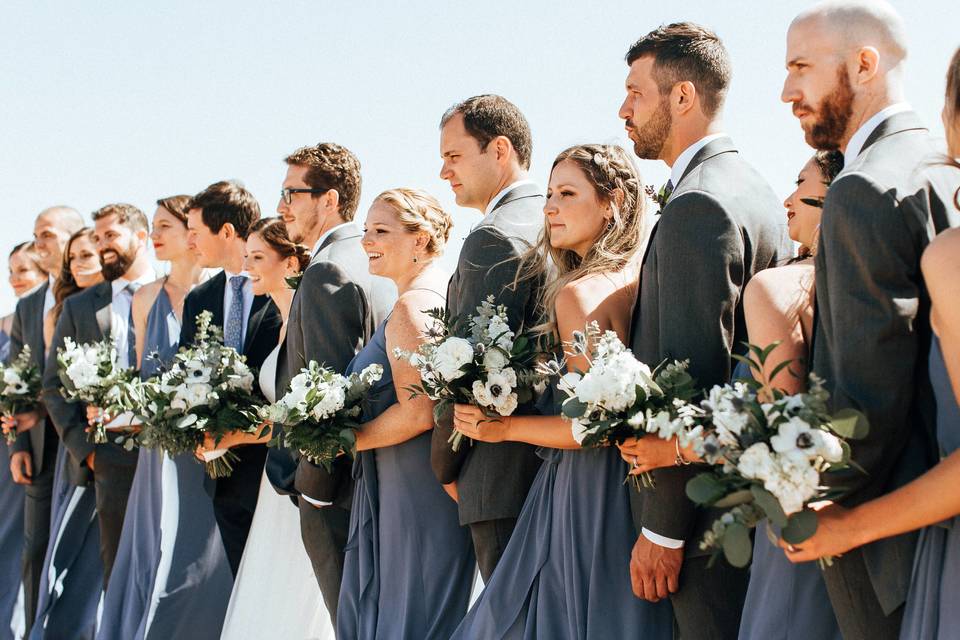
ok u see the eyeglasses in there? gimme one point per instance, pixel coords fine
(287, 194)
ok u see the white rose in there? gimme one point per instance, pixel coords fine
(450, 355)
(494, 360)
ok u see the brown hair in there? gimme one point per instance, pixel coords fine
(178, 206)
(226, 202)
(952, 102)
(127, 215)
(331, 166)
(419, 211)
(66, 286)
(684, 51)
(490, 116)
(617, 183)
(30, 251)
(273, 231)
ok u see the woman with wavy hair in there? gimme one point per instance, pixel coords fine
(565, 572)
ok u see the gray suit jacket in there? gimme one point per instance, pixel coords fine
(873, 334)
(85, 318)
(27, 329)
(493, 479)
(720, 226)
(335, 310)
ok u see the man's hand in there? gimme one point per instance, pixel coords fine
(21, 467)
(654, 570)
(90, 459)
(22, 421)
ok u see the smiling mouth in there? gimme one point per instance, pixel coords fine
(108, 257)
(374, 256)
(790, 215)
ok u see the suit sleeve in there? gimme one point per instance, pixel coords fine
(336, 308)
(868, 269)
(68, 417)
(488, 265)
(700, 260)
(22, 443)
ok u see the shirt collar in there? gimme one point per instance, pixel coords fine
(319, 243)
(120, 284)
(859, 138)
(683, 160)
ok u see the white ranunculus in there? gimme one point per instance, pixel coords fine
(450, 355)
(83, 373)
(757, 462)
(494, 360)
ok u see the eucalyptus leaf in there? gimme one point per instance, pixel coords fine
(800, 526)
(733, 499)
(573, 409)
(770, 505)
(850, 423)
(704, 489)
(737, 546)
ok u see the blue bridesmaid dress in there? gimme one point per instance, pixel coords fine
(409, 565)
(931, 611)
(171, 578)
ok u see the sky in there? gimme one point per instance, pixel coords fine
(132, 101)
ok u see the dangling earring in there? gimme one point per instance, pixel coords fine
(609, 225)
(415, 258)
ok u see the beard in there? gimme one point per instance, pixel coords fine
(650, 138)
(116, 269)
(832, 115)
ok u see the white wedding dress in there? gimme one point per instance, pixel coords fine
(275, 595)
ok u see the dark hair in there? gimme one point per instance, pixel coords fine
(66, 286)
(178, 206)
(684, 51)
(829, 164)
(226, 202)
(127, 215)
(273, 231)
(30, 251)
(490, 116)
(331, 166)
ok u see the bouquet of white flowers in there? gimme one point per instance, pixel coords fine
(321, 412)
(21, 387)
(769, 450)
(619, 397)
(90, 373)
(207, 389)
(480, 361)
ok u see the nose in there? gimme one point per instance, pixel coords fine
(626, 111)
(550, 207)
(445, 172)
(367, 239)
(790, 93)
(281, 206)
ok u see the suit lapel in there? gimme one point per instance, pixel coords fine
(218, 286)
(101, 307)
(523, 191)
(34, 333)
(897, 123)
(253, 322)
(713, 148)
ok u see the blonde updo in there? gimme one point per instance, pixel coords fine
(418, 211)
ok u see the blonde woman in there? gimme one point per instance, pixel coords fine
(565, 572)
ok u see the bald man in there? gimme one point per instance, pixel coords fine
(845, 64)
(33, 455)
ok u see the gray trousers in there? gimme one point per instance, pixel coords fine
(324, 532)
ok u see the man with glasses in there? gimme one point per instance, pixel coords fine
(318, 202)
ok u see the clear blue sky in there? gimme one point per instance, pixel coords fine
(130, 101)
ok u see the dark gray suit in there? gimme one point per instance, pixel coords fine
(720, 226)
(42, 443)
(872, 342)
(335, 310)
(493, 479)
(86, 318)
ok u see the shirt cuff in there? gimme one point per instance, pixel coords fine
(663, 541)
(316, 503)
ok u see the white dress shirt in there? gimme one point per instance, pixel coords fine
(120, 306)
(48, 299)
(859, 138)
(247, 300)
(676, 172)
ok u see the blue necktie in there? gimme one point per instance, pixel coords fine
(233, 327)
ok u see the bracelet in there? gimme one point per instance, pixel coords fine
(680, 462)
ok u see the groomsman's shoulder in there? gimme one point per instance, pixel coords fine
(207, 286)
(85, 297)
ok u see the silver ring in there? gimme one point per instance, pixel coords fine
(634, 461)
(791, 548)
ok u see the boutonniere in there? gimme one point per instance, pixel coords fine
(660, 196)
(293, 282)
